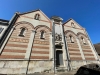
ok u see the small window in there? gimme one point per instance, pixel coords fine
(1, 29)
(83, 41)
(22, 32)
(71, 39)
(72, 24)
(42, 35)
(37, 17)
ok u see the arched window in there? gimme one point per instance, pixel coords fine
(71, 39)
(42, 35)
(37, 17)
(83, 41)
(72, 24)
(22, 32)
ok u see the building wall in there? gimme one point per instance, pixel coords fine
(79, 53)
(31, 53)
(30, 47)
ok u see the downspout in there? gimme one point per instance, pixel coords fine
(66, 50)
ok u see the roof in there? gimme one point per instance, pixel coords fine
(4, 22)
(29, 11)
(74, 21)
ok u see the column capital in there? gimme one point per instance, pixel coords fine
(34, 31)
(61, 23)
(13, 27)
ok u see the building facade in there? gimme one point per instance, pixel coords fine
(35, 43)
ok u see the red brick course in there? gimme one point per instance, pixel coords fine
(75, 58)
(11, 57)
(40, 47)
(16, 45)
(90, 58)
(75, 54)
(41, 52)
(16, 51)
(39, 57)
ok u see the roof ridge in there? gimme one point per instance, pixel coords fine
(29, 11)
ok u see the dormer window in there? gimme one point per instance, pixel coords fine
(72, 24)
(83, 41)
(71, 39)
(37, 17)
(42, 35)
(1, 29)
(22, 32)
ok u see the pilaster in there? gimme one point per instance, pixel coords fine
(29, 48)
(81, 51)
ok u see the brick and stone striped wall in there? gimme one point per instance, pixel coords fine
(16, 46)
(87, 51)
(40, 48)
(73, 48)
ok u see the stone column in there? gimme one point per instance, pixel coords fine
(29, 48)
(6, 39)
(81, 51)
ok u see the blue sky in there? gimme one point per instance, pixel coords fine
(85, 12)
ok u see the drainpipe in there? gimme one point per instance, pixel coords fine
(66, 48)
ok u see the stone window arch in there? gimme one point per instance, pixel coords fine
(22, 32)
(71, 38)
(72, 24)
(37, 17)
(42, 35)
(83, 40)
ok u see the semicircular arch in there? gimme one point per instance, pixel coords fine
(24, 22)
(39, 26)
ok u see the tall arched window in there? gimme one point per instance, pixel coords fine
(83, 41)
(71, 39)
(42, 35)
(22, 32)
(37, 17)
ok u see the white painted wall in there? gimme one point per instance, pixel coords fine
(5, 27)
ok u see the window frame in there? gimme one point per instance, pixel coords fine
(37, 17)
(83, 41)
(22, 32)
(71, 38)
(42, 33)
(72, 24)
